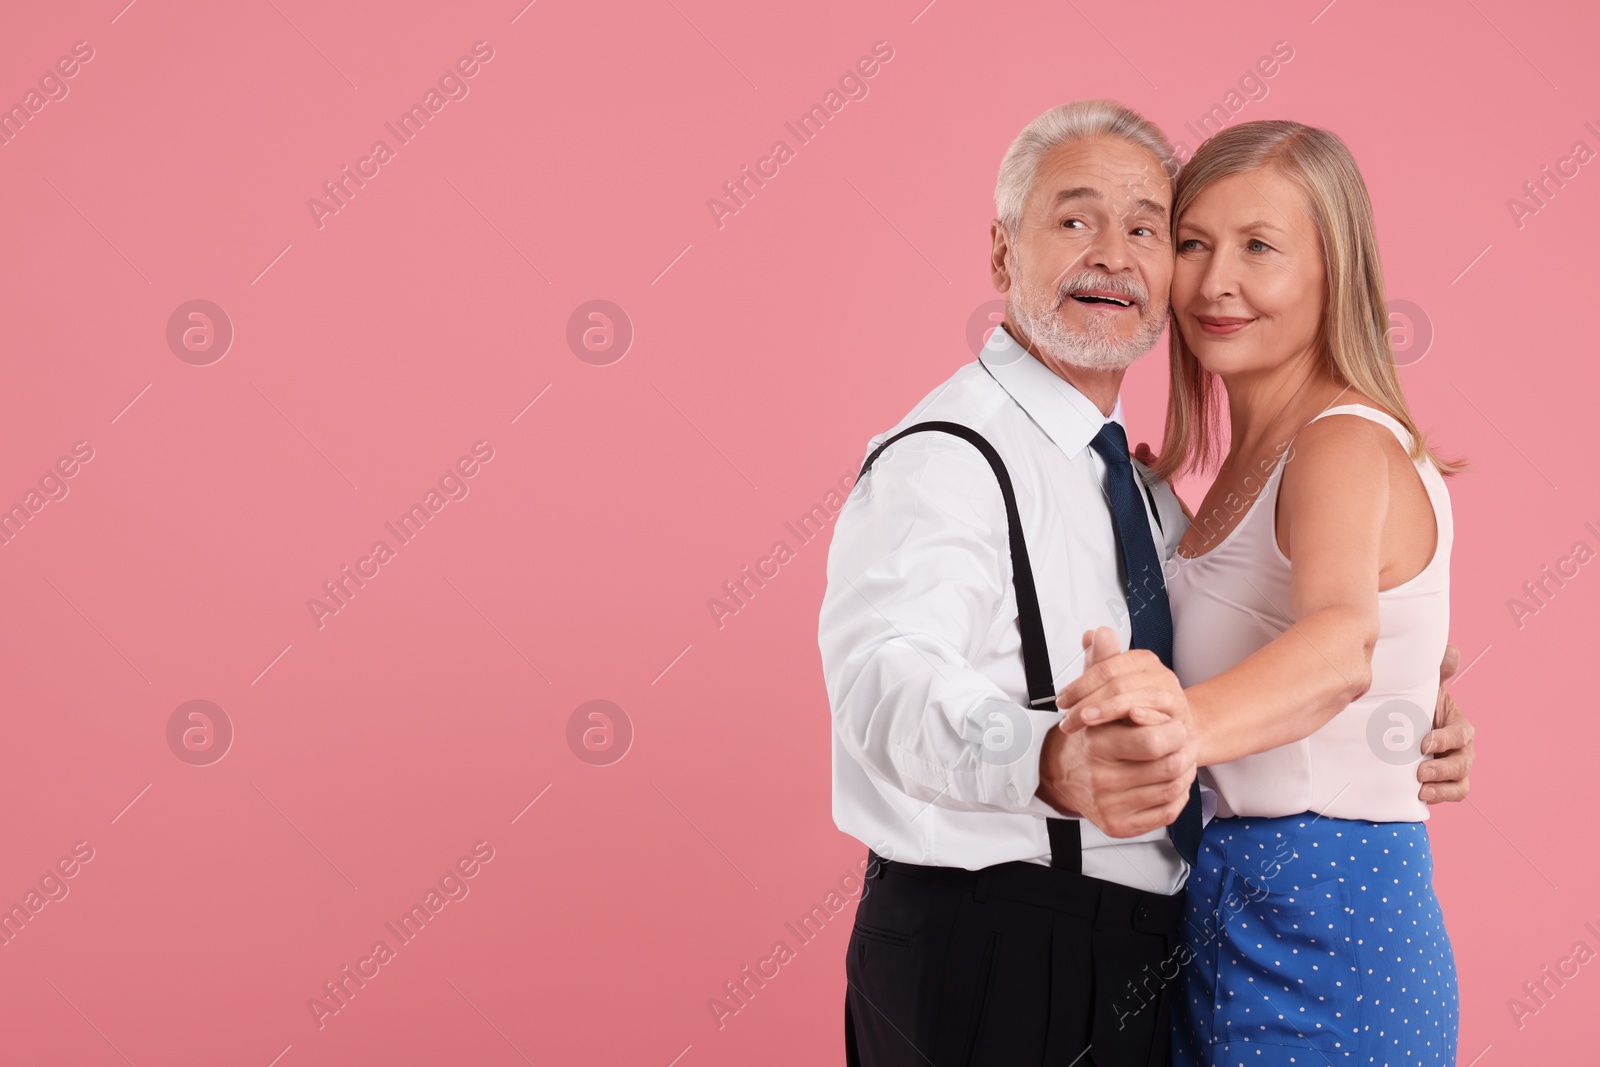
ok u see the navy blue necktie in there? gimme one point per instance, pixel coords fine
(1149, 611)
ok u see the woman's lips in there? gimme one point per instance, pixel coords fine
(1220, 324)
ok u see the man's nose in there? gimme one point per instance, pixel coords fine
(1111, 251)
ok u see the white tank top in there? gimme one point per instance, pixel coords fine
(1236, 598)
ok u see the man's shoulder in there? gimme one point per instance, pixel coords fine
(942, 465)
(970, 397)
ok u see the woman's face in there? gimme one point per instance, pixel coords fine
(1248, 287)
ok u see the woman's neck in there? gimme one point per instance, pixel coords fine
(1270, 406)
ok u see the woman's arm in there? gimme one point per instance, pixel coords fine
(1333, 499)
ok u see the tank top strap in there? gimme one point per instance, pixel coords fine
(1366, 411)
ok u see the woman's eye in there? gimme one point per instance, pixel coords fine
(1188, 244)
(1258, 245)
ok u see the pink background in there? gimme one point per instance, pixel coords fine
(371, 353)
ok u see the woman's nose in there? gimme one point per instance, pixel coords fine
(1217, 280)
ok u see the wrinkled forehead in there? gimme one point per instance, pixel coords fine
(1124, 177)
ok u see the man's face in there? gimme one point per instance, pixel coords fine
(1088, 271)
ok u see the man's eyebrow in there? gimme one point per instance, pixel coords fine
(1091, 193)
(1152, 206)
(1076, 192)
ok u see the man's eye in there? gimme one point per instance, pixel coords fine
(1143, 230)
(1072, 222)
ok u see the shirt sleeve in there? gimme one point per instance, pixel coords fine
(919, 583)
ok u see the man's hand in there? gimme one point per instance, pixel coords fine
(1128, 776)
(1444, 778)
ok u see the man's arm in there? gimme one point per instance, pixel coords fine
(918, 573)
(918, 576)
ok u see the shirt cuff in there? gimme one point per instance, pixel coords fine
(1012, 738)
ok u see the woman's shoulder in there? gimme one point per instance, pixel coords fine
(1340, 455)
(1352, 420)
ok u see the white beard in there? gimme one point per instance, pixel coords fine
(1036, 312)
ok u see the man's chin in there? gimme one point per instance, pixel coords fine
(1099, 361)
(1088, 345)
(1101, 354)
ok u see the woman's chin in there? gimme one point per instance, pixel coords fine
(1217, 363)
(1224, 360)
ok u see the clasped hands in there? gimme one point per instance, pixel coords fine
(1124, 754)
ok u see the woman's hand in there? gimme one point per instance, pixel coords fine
(1115, 685)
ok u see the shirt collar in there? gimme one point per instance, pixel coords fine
(1067, 417)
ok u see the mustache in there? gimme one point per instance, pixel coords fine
(1121, 286)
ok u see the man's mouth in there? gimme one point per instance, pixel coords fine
(1100, 296)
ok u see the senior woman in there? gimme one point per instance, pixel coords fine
(1314, 576)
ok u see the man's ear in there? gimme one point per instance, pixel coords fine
(999, 269)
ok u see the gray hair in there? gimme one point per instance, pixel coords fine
(1063, 124)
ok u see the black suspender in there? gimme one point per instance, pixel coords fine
(1151, 496)
(1066, 848)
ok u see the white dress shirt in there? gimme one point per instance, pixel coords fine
(935, 750)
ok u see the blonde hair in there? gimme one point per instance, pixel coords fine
(1063, 124)
(1354, 333)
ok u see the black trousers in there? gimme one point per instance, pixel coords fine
(1013, 965)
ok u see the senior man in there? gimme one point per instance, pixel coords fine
(1022, 879)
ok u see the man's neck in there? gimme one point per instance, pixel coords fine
(1100, 386)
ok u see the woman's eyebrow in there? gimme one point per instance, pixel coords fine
(1185, 224)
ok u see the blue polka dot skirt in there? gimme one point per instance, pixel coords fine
(1314, 941)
